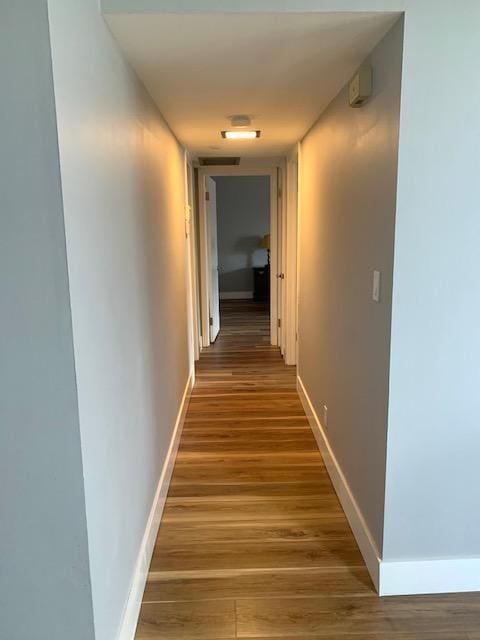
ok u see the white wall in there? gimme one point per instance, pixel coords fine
(44, 570)
(243, 218)
(432, 493)
(348, 198)
(124, 195)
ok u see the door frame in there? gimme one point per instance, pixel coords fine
(193, 301)
(212, 172)
(291, 253)
(282, 258)
(212, 228)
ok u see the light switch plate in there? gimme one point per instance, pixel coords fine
(376, 286)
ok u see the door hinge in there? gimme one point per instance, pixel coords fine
(279, 323)
(207, 196)
(211, 321)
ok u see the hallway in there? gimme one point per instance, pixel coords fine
(162, 480)
(253, 542)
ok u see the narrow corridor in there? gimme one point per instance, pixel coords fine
(253, 541)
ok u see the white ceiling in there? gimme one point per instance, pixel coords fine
(282, 69)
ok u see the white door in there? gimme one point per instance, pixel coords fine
(214, 296)
(282, 262)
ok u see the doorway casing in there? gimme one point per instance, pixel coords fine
(205, 259)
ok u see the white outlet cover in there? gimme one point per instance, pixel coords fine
(376, 286)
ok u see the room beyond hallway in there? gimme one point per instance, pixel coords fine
(253, 541)
(244, 223)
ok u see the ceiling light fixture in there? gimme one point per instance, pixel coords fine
(240, 135)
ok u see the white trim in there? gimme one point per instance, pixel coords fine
(352, 510)
(140, 574)
(281, 253)
(290, 269)
(190, 232)
(246, 170)
(236, 295)
(298, 250)
(212, 259)
(411, 577)
(204, 269)
(275, 310)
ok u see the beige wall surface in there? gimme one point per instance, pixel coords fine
(124, 196)
(348, 195)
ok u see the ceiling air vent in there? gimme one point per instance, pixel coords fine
(218, 162)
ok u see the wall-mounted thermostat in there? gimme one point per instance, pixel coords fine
(360, 88)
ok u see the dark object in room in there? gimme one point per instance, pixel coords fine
(261, 283)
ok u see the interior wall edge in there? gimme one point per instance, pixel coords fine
(45, 579)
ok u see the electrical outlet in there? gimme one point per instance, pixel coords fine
(325, 416)
(376, 286)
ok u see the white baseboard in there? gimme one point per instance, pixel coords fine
(391, 577)
(139, 580)
(236, 295)
(412, 577)
(352, 511)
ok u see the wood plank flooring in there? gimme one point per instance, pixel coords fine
(253, 542)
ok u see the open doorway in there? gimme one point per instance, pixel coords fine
(239, 216)
(240, 250)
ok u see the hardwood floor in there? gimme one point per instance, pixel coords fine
(253, 542)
